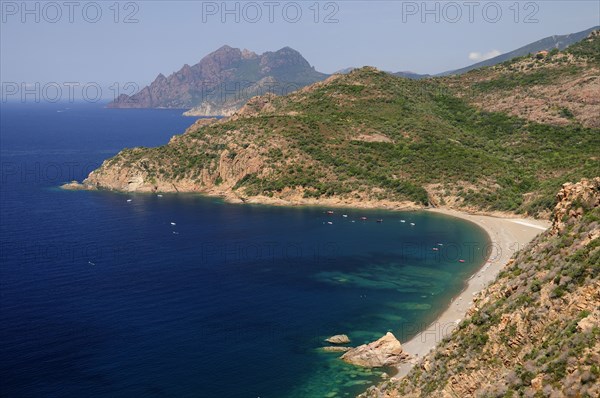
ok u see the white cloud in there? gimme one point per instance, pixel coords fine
(477, 56)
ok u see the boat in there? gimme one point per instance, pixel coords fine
(129, 200)
(402, 221)
(329, 222)
(329, 212)
(435, 249)
(345, 215)
(412, 223)
(461, 261)
(380, 221)
(363, 218)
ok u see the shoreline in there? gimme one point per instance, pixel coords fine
(507, 231)
(508, 235)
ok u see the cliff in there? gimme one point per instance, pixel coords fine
(536, 330)
(224, 80)
(371, 139)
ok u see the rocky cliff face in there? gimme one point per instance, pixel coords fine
(386, 351)
(223, 80)
(572, 200)
(225, 163)
(535, 332)
(364, 138)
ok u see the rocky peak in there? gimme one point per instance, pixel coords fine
(255, 105)
(573, 200)
(223, 58)
(247, 54)
(203, 85)
(285, 57)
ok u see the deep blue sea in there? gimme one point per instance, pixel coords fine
(187, 296)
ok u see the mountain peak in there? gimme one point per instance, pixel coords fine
(228, 67)
(247, 54)
(225, 47)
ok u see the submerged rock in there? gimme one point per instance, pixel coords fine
(338, 339)
(386, 351)
(335, 349)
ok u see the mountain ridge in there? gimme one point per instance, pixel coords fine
(222, 76)
(220, 83)
(560, 42)
(371, 138)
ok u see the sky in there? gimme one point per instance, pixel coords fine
(109, 43)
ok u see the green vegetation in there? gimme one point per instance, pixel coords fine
(588, 48)
(370, 135)
(521, 330)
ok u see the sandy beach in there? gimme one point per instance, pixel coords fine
(508, 235)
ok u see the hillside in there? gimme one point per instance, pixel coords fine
(558, 42)
(369, 139)
(558, 88)
(224, 80)
(535, 331)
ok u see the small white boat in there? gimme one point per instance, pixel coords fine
(91, 263)
(412, 223)
(402, 220)
(129, 200)
(175, 233)
(345, 215)
(172, 223)
(160, 196)
(440, 244)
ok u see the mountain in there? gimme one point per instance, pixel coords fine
(535, 331)
(558, 88)
(368, 138)
(225, 80)
(408, 75)
(546, 44)
(345, 71)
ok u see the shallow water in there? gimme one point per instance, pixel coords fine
(105, 297)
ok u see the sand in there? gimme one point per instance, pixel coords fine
(507, 235)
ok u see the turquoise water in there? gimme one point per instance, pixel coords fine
(102, 297)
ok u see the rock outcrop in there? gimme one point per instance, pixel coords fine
(338, 339)
(535, 331)
(223, 81)
(387, 351)
(365, 139)
(571, 201)
(335, 349)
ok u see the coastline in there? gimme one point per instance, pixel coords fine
(507, 233)
(507, 236)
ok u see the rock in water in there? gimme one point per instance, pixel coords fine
(338, 339)
(335, 349)
(386, 351)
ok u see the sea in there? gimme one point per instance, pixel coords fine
(106, 294)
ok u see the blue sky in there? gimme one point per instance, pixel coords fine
(164, 35)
